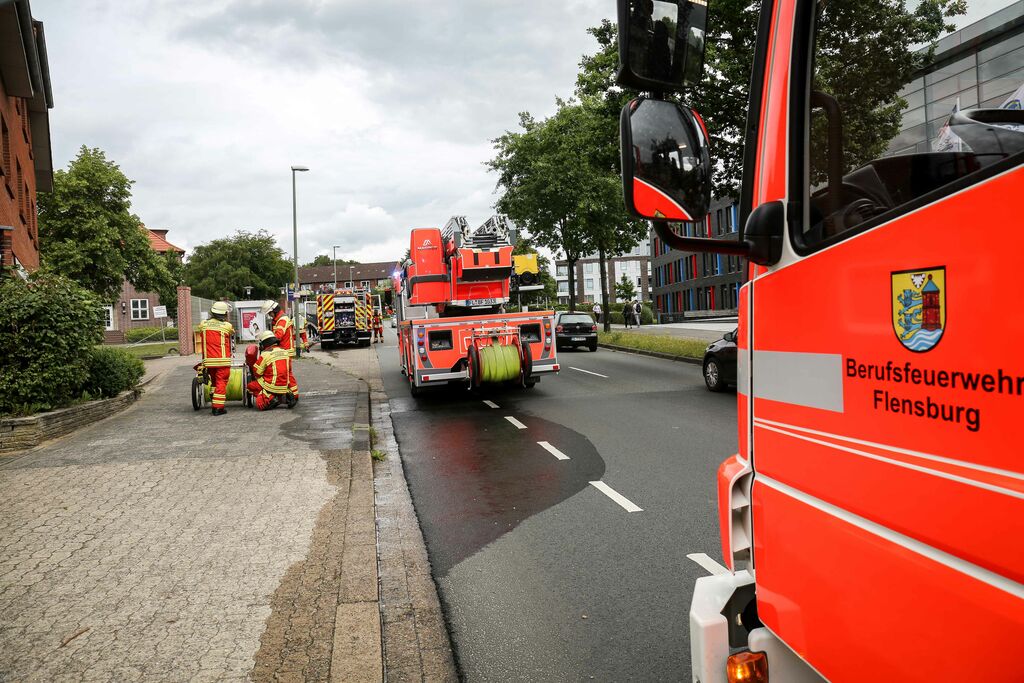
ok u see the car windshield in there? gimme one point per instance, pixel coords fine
(576, 318)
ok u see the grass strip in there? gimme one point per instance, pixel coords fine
(673, 346)
(158, 349)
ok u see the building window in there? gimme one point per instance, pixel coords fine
(563, 288)
(365, 284)
(348, 284)
(588, 286)
(5, 169)
(108, 318)
(140, 309)
(562, 270)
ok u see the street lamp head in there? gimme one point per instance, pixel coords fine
(300, 168)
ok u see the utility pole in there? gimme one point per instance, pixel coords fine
(335, 266)
(295, 262)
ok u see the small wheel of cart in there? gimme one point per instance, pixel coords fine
(247, 398)
(198, 389)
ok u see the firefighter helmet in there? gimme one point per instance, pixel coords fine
(267, 339)
(269, 307)
(219, 309)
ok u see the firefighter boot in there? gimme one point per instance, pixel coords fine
(290, 400)
(219, 411)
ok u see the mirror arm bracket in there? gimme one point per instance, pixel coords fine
(700, 244)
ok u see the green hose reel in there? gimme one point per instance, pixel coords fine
(236, 386)
(499, 363)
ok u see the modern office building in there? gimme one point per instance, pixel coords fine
(687, 284)
(635, 264)
(980, 65)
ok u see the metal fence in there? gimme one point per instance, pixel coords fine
(200, 309)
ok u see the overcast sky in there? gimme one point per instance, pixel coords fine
(391, 103)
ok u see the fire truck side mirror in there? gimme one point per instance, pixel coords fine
(666, 161)
(661, 43)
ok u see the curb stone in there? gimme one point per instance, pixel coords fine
(652, 354)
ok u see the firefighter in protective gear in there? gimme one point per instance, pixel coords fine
(378, 327)
(270, 388)
(216, 335)
(284, 330)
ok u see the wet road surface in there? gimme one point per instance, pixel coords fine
(558, 520)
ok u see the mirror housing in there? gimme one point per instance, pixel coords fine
(651, 33)
(666, 161)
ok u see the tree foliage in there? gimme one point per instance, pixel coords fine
(561, 184)
(625, 290)
(51, 323)
(224, 267)
(325, 260)
(88, 233)
(865, 56)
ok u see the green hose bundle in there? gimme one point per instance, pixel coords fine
(236, 386)
(499, 363)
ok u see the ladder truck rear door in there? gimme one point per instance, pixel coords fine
(883, 387)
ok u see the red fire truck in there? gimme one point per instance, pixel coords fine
(452, 324)
(871, 522)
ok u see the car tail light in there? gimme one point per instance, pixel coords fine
(558, 329)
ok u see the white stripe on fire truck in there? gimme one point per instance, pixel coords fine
(896, 449)
(952, 561)
(814, 380)
(899, 463)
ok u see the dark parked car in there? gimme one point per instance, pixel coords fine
(720, 363)
(575, 329)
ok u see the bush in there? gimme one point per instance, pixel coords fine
(673, 346)
(111, 371)
(153, 333)
(615, 318)
(49, 324)
(646, 315)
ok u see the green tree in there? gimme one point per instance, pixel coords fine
(625, 289)
(561, 184)
(224, 267)
(325, 260)
(865, 56)
(88, 233)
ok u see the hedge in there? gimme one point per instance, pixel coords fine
(111, 371)
(137, 334)
(49, 324)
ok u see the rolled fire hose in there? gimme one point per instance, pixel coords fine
(499, 363)
(236, 386)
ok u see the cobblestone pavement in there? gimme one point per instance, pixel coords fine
(163, 543)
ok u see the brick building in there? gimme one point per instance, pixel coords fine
(134, 308)
(26, 165)
(364, 275)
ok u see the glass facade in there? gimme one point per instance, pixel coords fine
(980, 65)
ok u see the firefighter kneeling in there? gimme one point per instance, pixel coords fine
(285, 333)
(271, 372)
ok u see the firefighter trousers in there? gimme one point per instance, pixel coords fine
(264, 399)
(219, 378)
(293, 386)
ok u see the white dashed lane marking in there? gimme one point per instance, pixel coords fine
(626, 503)
(491, 404)
(552, 450)
(596, 374)
(516, 422)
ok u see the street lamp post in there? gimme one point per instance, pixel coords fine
(295, 262)
(350, 280)
(335, 266)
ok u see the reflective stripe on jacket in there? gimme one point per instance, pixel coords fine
(271, 371)
(285, 334)
(215, 336)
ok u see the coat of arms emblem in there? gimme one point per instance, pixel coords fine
(919, 307)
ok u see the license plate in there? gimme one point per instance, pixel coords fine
(481, 302)
(579, 339)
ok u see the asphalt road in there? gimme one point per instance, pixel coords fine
(543, 576)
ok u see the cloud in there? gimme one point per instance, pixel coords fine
(391, 104)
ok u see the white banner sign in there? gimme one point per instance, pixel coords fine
(159, 311)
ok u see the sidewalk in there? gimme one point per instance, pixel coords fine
(166, 544)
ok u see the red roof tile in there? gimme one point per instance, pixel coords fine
(159, 243)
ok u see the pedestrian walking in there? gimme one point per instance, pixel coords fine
(597, 312)
(627, 313)
(638, 309)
